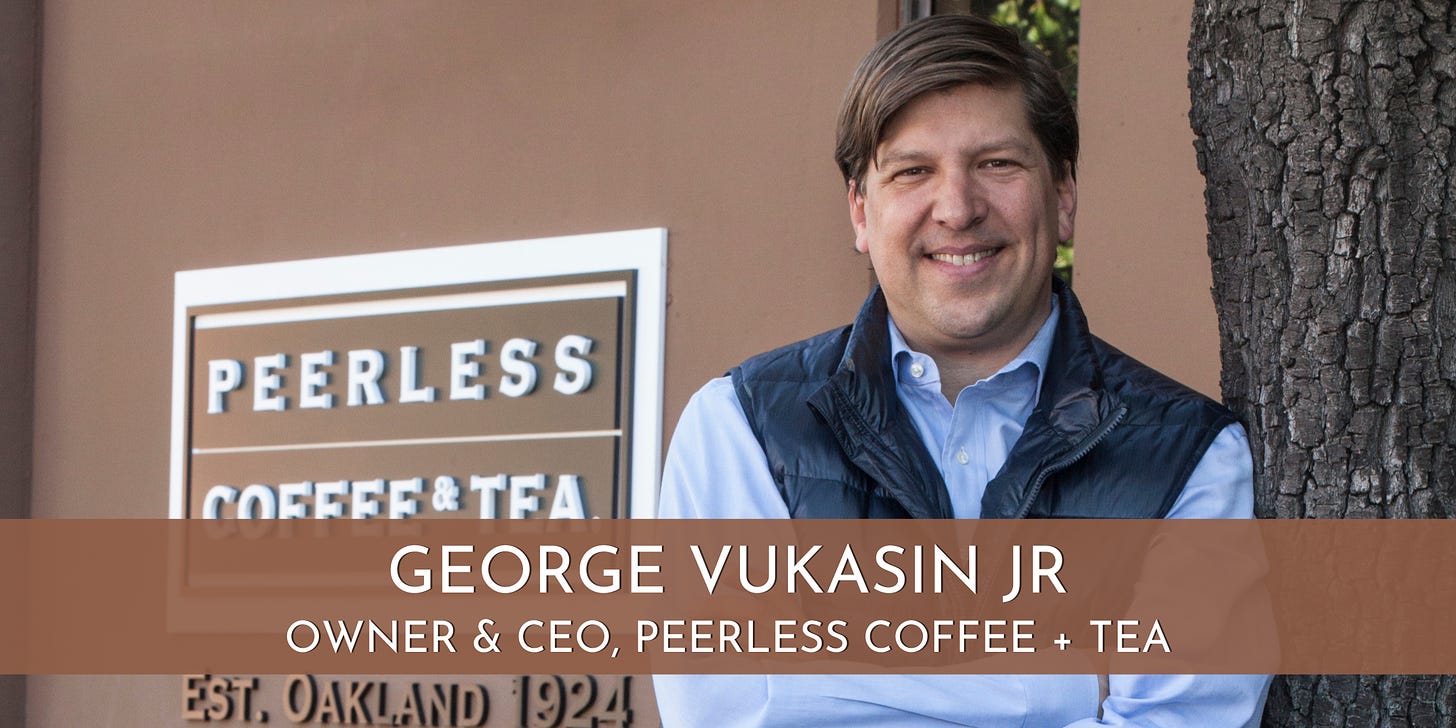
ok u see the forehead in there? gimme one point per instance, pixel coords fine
(964, 114)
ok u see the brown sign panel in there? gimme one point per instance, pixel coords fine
(479, 401)
(497, 400)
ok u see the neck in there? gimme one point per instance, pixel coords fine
(963, 363)
(961, 369)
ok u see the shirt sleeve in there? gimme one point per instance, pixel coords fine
(1221, 486)
(715, 467)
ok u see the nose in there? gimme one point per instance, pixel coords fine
(960, 201)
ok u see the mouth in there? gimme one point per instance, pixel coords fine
(966, 259)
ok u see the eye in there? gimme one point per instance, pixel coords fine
(998, 163)
(909, 172)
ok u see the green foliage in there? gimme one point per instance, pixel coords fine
(1052, 26)
(1063, 266)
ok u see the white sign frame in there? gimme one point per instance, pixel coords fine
(643, 251)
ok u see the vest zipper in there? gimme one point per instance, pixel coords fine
(1088, 443)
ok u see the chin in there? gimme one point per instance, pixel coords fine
(965, 331)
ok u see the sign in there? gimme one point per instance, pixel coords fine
(505, 380)
(526, 701)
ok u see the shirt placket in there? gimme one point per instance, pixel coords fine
(964, 453)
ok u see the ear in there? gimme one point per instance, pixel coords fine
(857, 218)
(1066, 204)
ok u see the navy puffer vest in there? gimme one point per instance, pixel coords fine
(1109, 437)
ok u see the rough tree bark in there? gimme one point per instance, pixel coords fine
(1325, 137)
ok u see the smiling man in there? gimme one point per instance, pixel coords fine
(968, 386)
(960, 212)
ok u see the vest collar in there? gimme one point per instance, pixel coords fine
(1075, 411)
(860, 406)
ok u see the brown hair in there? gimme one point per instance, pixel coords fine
(941, 52)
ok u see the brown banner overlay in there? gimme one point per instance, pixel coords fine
(633, 596)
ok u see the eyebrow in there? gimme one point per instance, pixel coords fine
(909, 155)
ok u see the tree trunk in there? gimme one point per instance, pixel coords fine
(1325, 137)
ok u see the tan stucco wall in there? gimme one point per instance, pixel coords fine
(179, 134)
(238, 132)
(183, 135)
(1142, 268)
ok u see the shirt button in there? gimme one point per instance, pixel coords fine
(916, 370)
(962, 457)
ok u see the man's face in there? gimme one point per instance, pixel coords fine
(960, 215)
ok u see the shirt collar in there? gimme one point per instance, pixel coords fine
(1035, 354)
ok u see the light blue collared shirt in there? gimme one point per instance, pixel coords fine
(716, 469)
(970, 441)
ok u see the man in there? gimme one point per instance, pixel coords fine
(967, 386)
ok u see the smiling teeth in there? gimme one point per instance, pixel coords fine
(962, 259)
